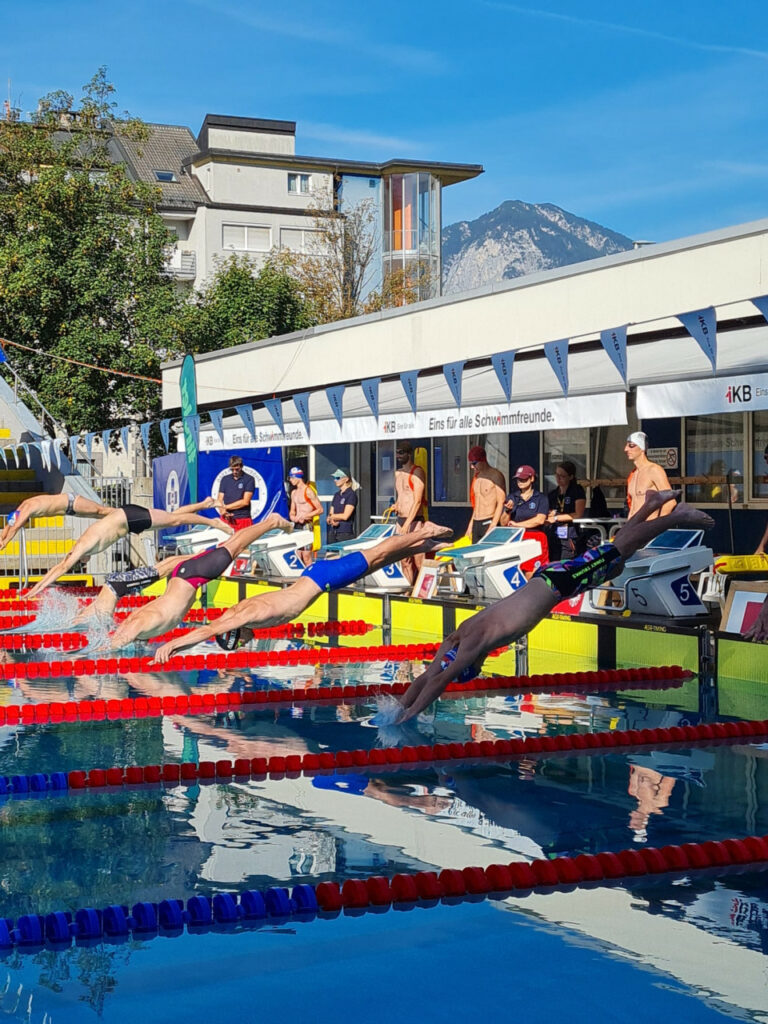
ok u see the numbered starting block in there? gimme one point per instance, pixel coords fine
(657, 579)
(496, 566)
(274, 554)
(391, 577)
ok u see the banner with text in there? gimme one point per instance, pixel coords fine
(548, 414)
(699, 397)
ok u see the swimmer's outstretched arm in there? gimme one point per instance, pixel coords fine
(241, 615)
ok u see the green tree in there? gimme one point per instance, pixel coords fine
(240, 306)
(82, 254)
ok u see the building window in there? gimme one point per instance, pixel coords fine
(165, 176)
(304, 240)
(450, 471)
(714, 447)
(246, 238)
(760, 455)
(300, 184)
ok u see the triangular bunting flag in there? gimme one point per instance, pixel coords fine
(245, 412)
(57, 451)
(502, 363)
(144, 428)
(335, 396)
(73, 442)
(45, 451)
(370, 388)
(105, 436)
(25, 449)
(615, 344)
(762, 305)
(557, 354)
(165, 432)
(124, 436)
(89, 444)
(409, 381)
(217, 419)
(275, 409)
(453, 374)
(301, 402)
(701, 324)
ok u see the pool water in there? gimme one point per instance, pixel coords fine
(648, 948)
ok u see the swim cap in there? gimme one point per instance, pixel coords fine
(640, 439)
(13, 517)
(476, 454)
(228, 641)
(295, 471)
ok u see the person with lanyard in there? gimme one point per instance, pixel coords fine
(525, 507)
(567, 502)
(305, 507)
(341, 519)
(235, 492)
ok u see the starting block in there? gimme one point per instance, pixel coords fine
(495, 567)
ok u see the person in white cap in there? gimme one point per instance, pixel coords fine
(645, 476)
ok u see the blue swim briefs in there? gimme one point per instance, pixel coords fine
(335, 573)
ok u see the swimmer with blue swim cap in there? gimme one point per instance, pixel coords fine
(281, 606)
(463, 652)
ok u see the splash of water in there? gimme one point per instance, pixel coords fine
(388, 711)
(55, 612)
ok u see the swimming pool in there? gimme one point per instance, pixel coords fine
(638, 948)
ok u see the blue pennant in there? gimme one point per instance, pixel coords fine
(701, 324)
(408, 379)
(275, 409)
(615, 344)
(557, 354)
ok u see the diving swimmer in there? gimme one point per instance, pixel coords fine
(122, 521)
(40, 505)
(463, 652)
(187, 574)
(280, 606)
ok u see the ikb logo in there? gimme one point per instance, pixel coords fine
(738, 393)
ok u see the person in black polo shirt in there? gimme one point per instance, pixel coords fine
(525, 507)
(341, 520)
(235, 492)
(566, 502)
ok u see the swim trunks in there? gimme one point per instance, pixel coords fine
(228, 641)
(583, 573)
(139, 518)
(470, 672)
(203, 568)
(479, 529)
(122, 583)
(335, 573)
(70, 509)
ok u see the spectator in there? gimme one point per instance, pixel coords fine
(526, 507)
(486, 494)
(341, 519)
(567, 502)
(235, 492)
(305, 507)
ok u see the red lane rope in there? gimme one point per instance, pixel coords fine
(412, 757)
(183, 704)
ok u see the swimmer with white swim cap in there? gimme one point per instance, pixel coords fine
(646, 476)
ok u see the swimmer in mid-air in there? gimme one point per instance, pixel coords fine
(187, 574)
(280, 606)
(119, 523)
(461, 654)
(40, 505)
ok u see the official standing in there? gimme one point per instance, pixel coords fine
(235, 492)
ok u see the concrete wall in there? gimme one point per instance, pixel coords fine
(247, 140)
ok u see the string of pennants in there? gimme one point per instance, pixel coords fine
(701, 324)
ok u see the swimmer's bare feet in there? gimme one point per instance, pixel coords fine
(431, 531)
(284, 524)
(208, 503)
(687, 515)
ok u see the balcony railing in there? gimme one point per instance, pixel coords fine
(182, 264)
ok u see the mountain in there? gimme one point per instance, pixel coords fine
(520, 238)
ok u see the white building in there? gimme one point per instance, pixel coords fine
(239, 187)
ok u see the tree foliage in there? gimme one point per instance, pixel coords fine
(239, 306)
(82, 254)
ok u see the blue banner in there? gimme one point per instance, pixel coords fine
(275, 409)
(170, 487)
(762, 305)
(370, 388)
(124, 434)
(73, 440)
(409, 381)
(265, 465)
(502, 364)
(557, 354)
(105, 436)
(89, 444)
(188, 391)
(301, 402)
(245, 412)
(165, 432)
(335, 396)
(701, 324)
(615, 344)
(453, 374)
(144, 428)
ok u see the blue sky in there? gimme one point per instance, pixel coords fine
(647, 118)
